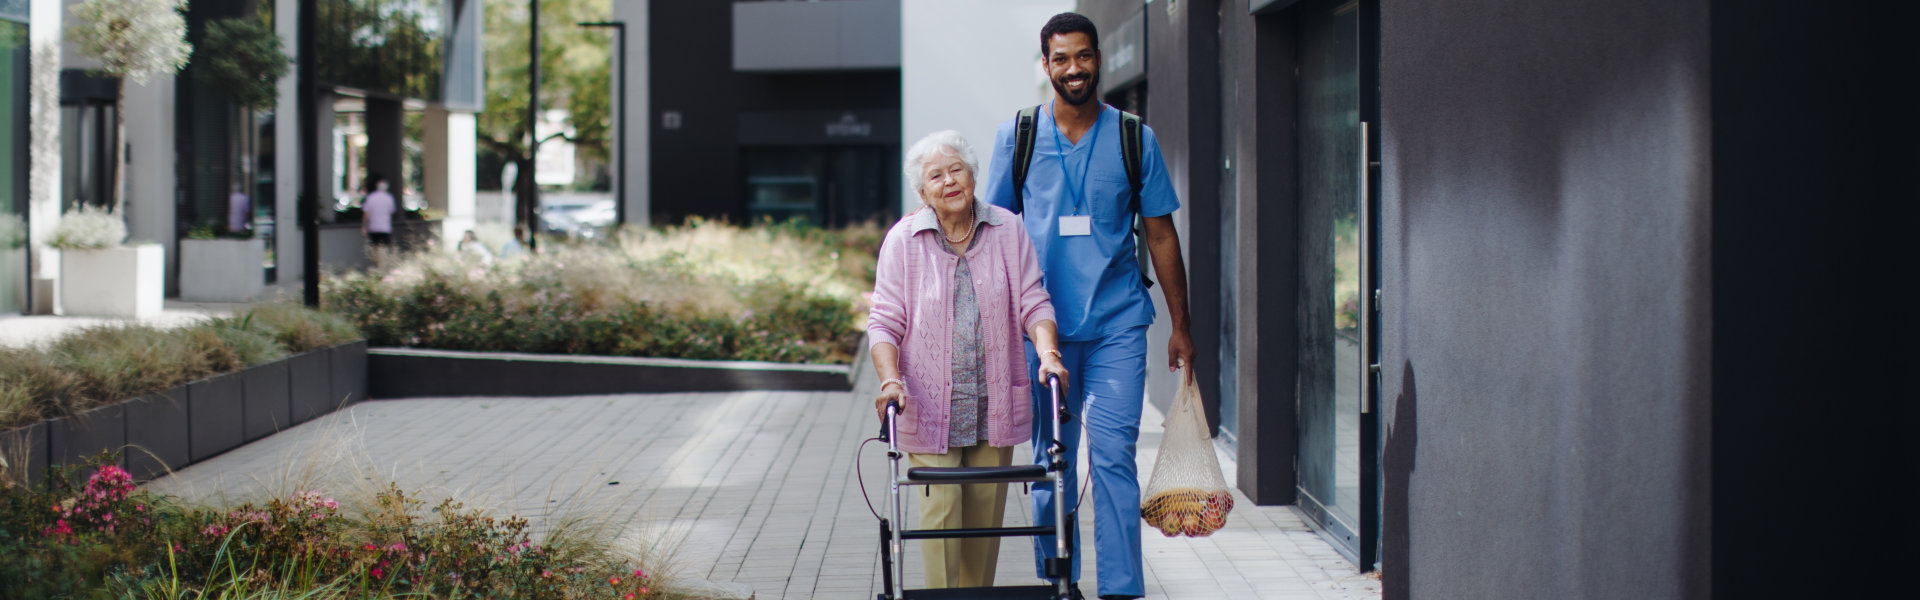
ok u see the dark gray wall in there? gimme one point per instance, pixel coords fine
(1546, 257)
(1268, 266)
(1183, 93)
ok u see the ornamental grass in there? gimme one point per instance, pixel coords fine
(706, 290)
(108, 364)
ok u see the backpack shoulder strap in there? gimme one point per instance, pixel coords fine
(1132, 155)
(1023, 132)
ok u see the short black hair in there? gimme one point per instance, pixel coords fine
(1068, 22)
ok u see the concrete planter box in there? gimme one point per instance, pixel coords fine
(25, 448)
(348, 365)
(75, 438)
(190, 423)
(158, 433)
(223, 270)
(216, 415)
(310, 384)
(124, 282)
(269, 408)
(415, 372)
(13, 280)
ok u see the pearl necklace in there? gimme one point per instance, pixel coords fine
(972, 219)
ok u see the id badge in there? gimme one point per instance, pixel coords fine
(1072, 225)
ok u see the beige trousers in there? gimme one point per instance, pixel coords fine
(964, 562)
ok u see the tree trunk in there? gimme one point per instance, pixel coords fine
(120, 148)
(526, 204)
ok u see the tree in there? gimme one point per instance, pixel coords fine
(249, 63)
(132, 39)
(241, 59)
(575, 74)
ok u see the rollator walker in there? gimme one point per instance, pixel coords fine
(893, 564)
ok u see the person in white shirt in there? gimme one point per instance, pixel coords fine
(470, 247)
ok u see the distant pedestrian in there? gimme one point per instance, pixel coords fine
(239, 211)
(376, 216)
(470, 247)
(516, 247)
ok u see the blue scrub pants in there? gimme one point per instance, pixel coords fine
(1107, 378)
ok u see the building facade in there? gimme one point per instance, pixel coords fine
(15, 71)
(774, 110)
(1517, 299)
(190, 148)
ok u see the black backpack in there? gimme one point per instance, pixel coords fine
(1130, 156)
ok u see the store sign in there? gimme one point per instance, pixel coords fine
(843, 127)
(1125, 54)
(849, 126)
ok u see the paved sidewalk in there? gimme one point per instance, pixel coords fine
(752, 488)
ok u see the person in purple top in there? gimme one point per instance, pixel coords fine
(376, 214)
(956, 289)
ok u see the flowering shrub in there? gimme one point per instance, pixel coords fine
(106, 539)
(706, 290)
(88, 228)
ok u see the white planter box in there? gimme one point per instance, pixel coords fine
(124, 282)
(222, 270)
(13, 280)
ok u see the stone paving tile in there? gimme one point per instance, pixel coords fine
(754, 488)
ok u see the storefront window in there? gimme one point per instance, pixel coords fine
(13, 163)
(389, 46)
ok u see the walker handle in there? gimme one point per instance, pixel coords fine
(893, 408)
(1053, 385)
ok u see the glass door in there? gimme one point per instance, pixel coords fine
(13, 167)
(1335, 287)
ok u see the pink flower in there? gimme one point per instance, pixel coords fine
(613, 580)
(376, 573)
(639, 573)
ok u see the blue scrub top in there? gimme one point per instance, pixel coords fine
(1094, 279)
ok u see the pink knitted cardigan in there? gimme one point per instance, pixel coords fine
(913, 306)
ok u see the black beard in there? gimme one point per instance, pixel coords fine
(1093, 83)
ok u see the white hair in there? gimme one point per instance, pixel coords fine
(947, 142)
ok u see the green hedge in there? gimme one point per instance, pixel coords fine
(780, 293)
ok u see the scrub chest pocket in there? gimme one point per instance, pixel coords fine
(1109, 196)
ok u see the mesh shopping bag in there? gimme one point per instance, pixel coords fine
(1187, 494)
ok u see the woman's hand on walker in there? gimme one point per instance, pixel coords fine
(889, 392)
(1050, 365)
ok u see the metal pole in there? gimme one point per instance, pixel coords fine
(531, 211)
(620, 206)
(309, 159)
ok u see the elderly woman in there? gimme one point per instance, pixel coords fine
(957, 286)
